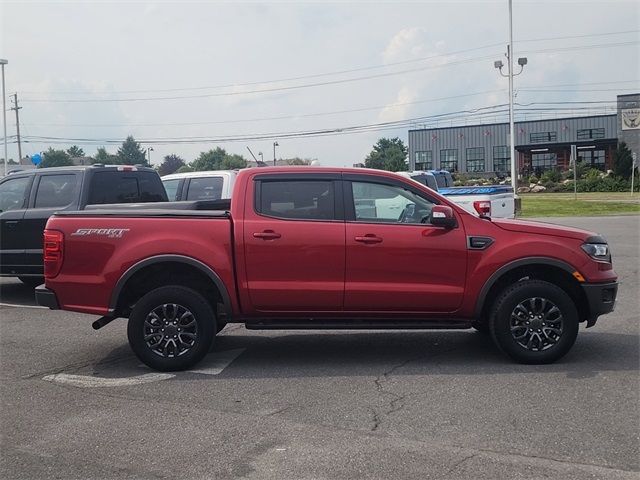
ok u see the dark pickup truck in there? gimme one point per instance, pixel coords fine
(325, 248)
(29, 198)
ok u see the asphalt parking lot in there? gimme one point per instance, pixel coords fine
(76, 403)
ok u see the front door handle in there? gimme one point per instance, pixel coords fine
(267, 235)
(368, 238)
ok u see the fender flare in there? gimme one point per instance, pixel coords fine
(213, 276)
(521, 262)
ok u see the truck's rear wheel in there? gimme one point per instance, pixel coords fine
(534, 322)
(171, 328)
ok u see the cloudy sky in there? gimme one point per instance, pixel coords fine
(263, 71)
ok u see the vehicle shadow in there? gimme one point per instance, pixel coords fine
(349, 353)
(15, 292)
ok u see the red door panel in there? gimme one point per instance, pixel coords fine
(414, 268)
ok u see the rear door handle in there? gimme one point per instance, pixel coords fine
(12, 223)
(369, 238)
(267, 235)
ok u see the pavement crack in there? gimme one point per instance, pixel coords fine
(455, 466)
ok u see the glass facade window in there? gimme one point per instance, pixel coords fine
(449, 159)
(544, 161)
(475, 159)
(541, 137)
(592, 158)
(501, 159)
(424, 160)
(590, 133)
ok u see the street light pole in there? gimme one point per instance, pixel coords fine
(275, 144)
(3, 62)
(512, 143)
(522, 61)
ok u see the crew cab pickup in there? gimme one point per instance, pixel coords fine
(29, 198)
(320, 248)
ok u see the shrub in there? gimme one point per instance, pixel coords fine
(551, 176)
(533, 179)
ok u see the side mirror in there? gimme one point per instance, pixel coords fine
(442, 216)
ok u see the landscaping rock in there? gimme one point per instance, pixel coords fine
(524, 189)
(538, 188)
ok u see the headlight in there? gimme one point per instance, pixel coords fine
(598, 251)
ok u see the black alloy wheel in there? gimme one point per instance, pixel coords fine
(534, 321)
(171, 328)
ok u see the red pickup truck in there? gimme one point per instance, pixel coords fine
(305, 248)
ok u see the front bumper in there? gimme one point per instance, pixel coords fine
(46, 298)
(601, 298)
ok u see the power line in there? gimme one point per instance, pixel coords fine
(282, 117)
(341, 72)
(317, 84)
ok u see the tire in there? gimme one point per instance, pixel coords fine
(32, 282)
(189, 322)
(534, 322)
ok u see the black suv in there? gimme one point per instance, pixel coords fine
(29, 198)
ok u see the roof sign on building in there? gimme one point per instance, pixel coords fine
(631, 119)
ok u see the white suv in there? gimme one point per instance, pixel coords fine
(209, 185)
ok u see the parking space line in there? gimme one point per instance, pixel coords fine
(84, 381)
(15, 305)
(214, 364)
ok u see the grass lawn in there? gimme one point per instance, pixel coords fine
(593, 203)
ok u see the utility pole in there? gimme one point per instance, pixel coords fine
(3, 62)
(275, 144)
(16, 108)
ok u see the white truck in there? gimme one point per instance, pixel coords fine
(490, 201)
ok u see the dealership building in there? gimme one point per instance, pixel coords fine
(540, 144)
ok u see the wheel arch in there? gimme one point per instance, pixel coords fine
(543, 268)
(115, 303)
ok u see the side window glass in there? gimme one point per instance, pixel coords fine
(300, 200)
(205, 188)
(113, 187)
(56, 191)
(13, 193)
(171, 186)
(151, 189)
(378, 203)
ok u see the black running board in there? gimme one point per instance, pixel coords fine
(355, 324)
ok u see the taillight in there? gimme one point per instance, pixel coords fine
(53, 248)
(483, 208)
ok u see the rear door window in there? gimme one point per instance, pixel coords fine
(205, 188)
(171, 186)
(56, 190)
(13, 193)
(125, 187)
(298, 199)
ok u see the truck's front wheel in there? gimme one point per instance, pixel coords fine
(534, 321)
(171, 328)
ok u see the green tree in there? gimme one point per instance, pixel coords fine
(130, 153)
(622, 161)
(298, 161)
(210, 160)
(75, 151)
(388, 154)
(233, 162)
(184, 169)
(170, 164)
(55, 158)
(101, 155)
